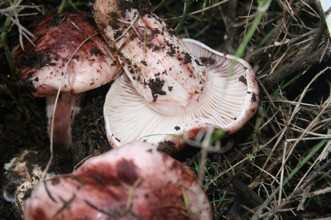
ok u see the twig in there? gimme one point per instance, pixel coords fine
(320, 192)
(135, 19)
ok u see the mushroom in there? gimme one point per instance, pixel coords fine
(229, 99)
(67, 55)
(171, 86)
(132, 182)
(156, 62)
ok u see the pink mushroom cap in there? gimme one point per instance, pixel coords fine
(132, 182)
(68, 53)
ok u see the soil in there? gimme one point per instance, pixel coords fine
(23, 126)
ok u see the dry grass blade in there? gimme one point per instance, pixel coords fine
(294, 112)
(14, 11)
(51, 143)
(260, 209)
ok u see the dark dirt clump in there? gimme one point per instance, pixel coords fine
(156, 86)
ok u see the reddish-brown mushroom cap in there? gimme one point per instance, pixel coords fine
(67, 55)
(132, 182)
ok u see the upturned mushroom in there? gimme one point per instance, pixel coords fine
(171, 86)
(155, 61)
(68, 55)
(132, 182)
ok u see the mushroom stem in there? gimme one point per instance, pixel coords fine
(66, 109)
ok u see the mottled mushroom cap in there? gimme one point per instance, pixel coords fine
(68, 53)
(228, 101)
(132, 182)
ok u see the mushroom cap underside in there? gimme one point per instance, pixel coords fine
(132, 182)
(228, 101)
